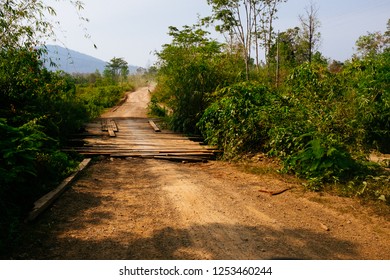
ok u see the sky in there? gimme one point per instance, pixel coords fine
(136, 29)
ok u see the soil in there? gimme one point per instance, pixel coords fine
(141, 209)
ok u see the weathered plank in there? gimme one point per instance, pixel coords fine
(44, 202)
(114, 126)
(154, 126)
(111, 132)
(135, 138)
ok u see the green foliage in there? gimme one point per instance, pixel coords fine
(369, 83)
(238, 121)
(19, 147)
(155, 109)
(313, 133)
(315, 123)
(16, 17)
(98, 98)
(191, 68)
(38, 109)
(116, 70)
(27, 24)
(30, 92)
(372, 44)
(322, 160)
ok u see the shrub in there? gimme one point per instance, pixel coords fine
(238, 121)
(38, 109)
(98, 98)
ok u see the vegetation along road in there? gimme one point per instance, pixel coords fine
(137, 208)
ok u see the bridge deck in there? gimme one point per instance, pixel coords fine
(137, 137)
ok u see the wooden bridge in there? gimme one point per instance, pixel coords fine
(126, 131)
(138, 137)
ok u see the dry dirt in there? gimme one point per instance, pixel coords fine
(148, 209)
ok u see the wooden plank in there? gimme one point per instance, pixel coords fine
(137, 139)
(44, 202)
(114, 126)
(154, 126)
(181, 159)
(111, 132)
(161, 151)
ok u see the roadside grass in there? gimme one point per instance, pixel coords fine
(373, 190)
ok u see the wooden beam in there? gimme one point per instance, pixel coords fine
(111, 132)
(181, 159)
(114, 126)
(154, 126)
(44, 202)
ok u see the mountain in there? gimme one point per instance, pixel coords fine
(71, 61)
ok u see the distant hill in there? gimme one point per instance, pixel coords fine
(71, 61)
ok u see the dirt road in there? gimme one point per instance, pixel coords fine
(148, 209)
(135, 105)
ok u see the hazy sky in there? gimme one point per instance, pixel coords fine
(135, 29)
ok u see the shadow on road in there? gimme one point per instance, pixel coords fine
(197, 242)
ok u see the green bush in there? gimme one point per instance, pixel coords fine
(98, 98)
(368, 81)
(38, 110)
(314, 124)
(238, 121)
(315, 132)
(192, 67)
(155, 109)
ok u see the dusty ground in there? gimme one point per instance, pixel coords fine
(149, 209)
(135, 106)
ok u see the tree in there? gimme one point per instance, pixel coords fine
(286, 49)
(373, 43)
(117, 69)
(387, 33)
(245, 21)
(185, 74)
(191, 67)
(267, 31)
(310, 36)
(25, 23)
(236, 22)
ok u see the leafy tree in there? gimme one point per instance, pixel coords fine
(368, 75)
(372, 44)
(117, 69)
(387, 33)
(266, 32)
(190, 69)
(369, 80)
(246, 21)
(24, 23)
(285, 54)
